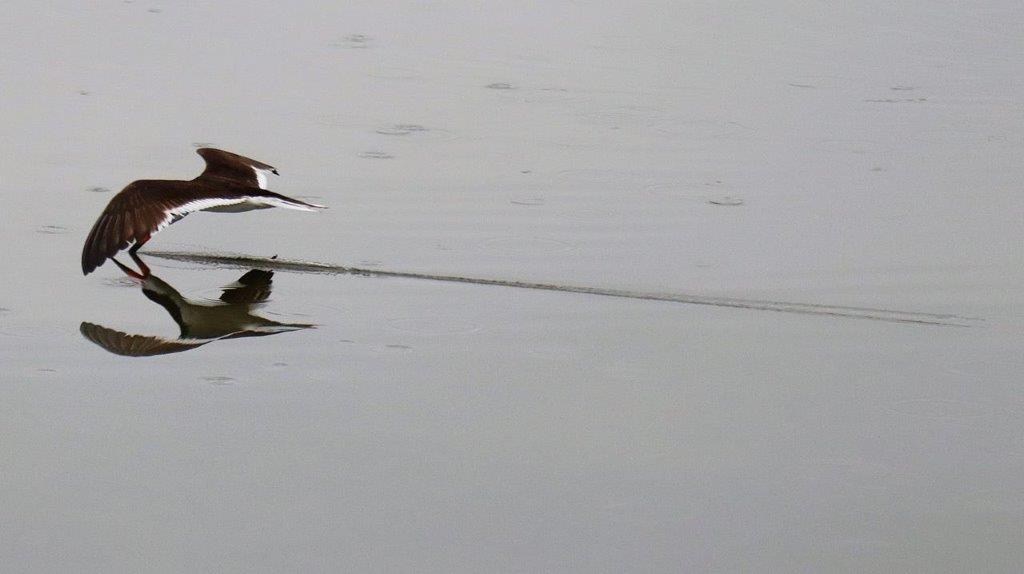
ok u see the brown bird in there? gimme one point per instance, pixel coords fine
(230, 183)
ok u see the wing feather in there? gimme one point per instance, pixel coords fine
(114, 233)
(121, 343)
(146, 207)
(226, 166)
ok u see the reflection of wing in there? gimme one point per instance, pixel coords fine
(135, 345)
(251, 288)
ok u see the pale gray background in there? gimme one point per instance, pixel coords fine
(876, 147)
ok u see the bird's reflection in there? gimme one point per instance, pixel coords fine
(201, 321)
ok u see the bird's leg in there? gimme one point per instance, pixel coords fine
(139, 242)
(138, 261)
(135, 256)
(128, 270)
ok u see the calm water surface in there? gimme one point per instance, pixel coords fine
(857, 156)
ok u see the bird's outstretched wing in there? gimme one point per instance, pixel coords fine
(226, 166)
(121, 343)
(141, 210)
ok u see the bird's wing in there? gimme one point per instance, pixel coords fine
(127, 345)
(240, 172)
(251, 288)
(226, 166)
(141, 210)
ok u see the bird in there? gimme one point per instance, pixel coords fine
(230, 183)
(200, 321)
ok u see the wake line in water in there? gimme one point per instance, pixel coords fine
(888, 315)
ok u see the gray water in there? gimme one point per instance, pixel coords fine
(831, 157)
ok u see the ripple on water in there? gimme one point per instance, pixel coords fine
(541, 95)
(528, 201)
(706, 191)
(727, 200)
(353, 42)
(52, 230)
(500, 86)
(414, 132)
(818, 81)
(218, 380)
(99, 189)
(375, 155)
(401, 129)
(897, 100)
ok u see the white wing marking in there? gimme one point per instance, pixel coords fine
(180, 211)
(261, 178)
(276, 202)
(184, 209)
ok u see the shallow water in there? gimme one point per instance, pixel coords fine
(857, 157)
